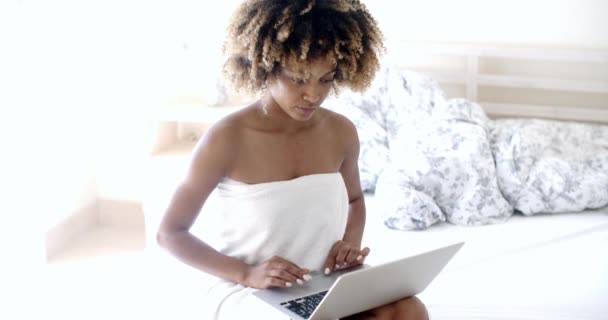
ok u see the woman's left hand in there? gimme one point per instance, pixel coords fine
(344, 254)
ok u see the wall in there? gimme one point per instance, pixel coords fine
(75, 77)
(545, 23)
(562, 23)
(44, 89)
(95, 69)
(187, 36)
(559, 23)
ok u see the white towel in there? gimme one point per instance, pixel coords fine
(298, 220)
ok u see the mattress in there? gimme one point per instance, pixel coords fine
(538, 267)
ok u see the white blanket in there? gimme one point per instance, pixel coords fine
(539, 267)
(298, 220)
(551, 166)
(433, 159)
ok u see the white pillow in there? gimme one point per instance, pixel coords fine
(445, 156)
(401, 206)
(373, 152)
(369, 111)
(551, 166)
(436, 152)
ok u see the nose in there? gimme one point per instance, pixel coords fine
(312, 94)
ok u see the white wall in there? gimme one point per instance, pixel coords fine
(47, 164)
(563, 23)
(83, 75)
(559, 23)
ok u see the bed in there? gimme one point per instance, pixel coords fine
(541, 267)
(539, 250)
(527, 254)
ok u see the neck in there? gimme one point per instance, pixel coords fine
(276, 119)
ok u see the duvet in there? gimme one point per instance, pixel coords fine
(431, 159)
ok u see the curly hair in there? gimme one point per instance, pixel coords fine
(267, 35)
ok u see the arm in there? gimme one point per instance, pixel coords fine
(348, 252)
(209, 164)
(211, 161)
(350, 174)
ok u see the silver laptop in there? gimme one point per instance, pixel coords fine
(360, 288)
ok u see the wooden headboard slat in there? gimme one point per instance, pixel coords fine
(579, 79)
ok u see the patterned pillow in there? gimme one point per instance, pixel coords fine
(442, 162)
(414, 100)
(427, 158)
(370, 112)
(551, 166)
(377, 113)
(403, 207)
(373, 152)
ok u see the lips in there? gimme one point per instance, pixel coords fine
(307, 109)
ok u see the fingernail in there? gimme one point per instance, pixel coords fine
(345, 264)
(288, 284)
(327, 271)
(307, 277)
(299, 281)
(359, 257)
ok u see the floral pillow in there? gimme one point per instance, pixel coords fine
(373, 152)
(551, 166)
(428, 159)
(370, 112)
(403, 205)
(444, 162)
(378, 111)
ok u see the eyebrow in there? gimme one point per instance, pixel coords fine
(297, 74)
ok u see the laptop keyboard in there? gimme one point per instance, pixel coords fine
(304, 306)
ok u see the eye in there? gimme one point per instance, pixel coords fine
(330, 78)
(298, 81)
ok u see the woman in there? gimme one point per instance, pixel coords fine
(285, 168)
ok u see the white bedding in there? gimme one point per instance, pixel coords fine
(562, 279)
(540, 267)
(551, 166)
(436, 159)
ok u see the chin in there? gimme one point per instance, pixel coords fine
(303, 114)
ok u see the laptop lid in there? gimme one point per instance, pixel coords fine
(361, 288)
(375, 286)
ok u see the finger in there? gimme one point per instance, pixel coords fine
(291, 268)
(336, 247)
(306, 276)
(341, 256)
(276, 282)
(352, 256)
(330, 262)
(284, 264)
(356, 257)
(285, 276)
(363, 254)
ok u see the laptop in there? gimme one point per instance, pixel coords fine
(353, 290)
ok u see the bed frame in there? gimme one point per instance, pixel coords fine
(507, 81)
(512, 81)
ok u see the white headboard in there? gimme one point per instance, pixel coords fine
(510, 81)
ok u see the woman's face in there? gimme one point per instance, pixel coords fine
(300, 96)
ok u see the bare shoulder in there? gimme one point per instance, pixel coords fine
(218, 145)
(219, 133)
(225, 129)
(341, 127)
(347, 140)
